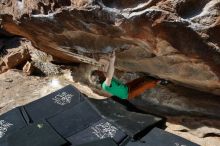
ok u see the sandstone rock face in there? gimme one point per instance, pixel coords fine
(17, 54)
(173, 39)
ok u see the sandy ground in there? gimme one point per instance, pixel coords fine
(17, 89)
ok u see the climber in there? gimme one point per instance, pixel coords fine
(113, 86)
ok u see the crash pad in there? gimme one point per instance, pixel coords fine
(75, 119)
(37, 134)
(159, 137)
(9, 123)
(132, 123)
(53, 103)
(99, 130)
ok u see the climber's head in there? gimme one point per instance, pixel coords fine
(97, 77)
(104, 65)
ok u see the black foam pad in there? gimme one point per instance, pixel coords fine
(132, 123)
(53, 103)
(99, 130)
(75, 119)
(9, 123)
(158, 137)
(102, 142)
(38, 134)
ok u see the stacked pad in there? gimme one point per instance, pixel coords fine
(38, 134)
(134, 124)
(81, 124)
(10, 122)
(158, 137)
(53, 103)
(98, 130)
(74, 119)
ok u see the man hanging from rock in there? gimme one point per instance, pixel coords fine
(115, 87)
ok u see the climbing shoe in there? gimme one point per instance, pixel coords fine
(163, 82)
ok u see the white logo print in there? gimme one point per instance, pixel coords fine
(177, 144)
(4, 127)
(63, 98)
(104, 130)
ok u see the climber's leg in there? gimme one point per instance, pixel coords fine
(138, 86)
(134, 83)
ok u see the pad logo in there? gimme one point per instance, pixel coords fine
(63, 98)
(177, 144)
(104, 130)
(4, 127)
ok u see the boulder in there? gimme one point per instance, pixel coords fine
(174, 40)
(16, 57)
(17, 54)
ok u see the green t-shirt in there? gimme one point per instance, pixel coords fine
(116, 88)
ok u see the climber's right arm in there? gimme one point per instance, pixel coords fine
(111, 69)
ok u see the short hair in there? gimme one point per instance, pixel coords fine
(97, 77)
